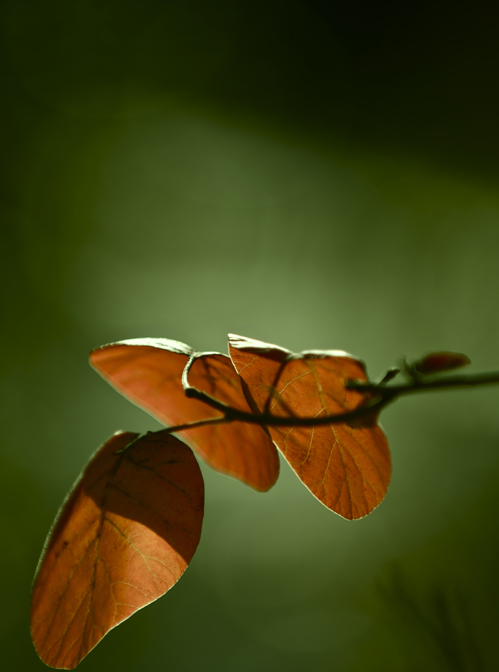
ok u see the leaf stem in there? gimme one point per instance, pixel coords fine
(192, 425)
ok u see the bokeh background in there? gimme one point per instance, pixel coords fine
(314, 174)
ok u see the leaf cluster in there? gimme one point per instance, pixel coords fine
(132, 522)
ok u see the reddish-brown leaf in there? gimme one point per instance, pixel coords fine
(438, 362)
(122, 538)
(346, 466)
(149, 372)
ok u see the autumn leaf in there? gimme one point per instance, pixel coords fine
(123, 537)
(149, 372)
(346, 466)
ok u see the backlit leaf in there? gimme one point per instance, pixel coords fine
(122, 538)
(149, 372)
(346, 466)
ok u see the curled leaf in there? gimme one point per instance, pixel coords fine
(346, 466)
(123, 537)
(149, 373)
(438, 362)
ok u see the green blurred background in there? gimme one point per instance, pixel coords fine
(315, 174)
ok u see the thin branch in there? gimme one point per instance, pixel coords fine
(220, 419)
(364, 411)
(176, 428)
(383, 395)
(422, 384)
(235, 415)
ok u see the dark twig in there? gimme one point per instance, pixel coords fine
(378, 395)
(423, 384)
